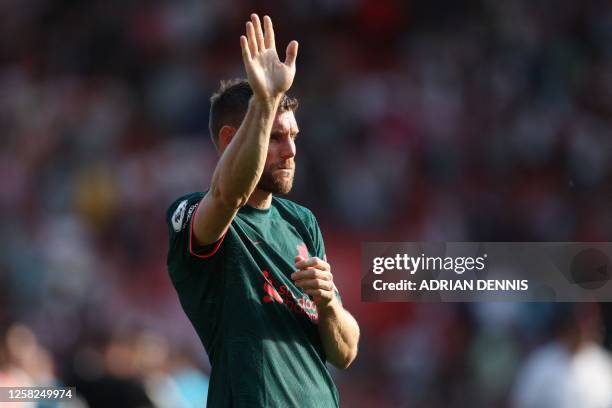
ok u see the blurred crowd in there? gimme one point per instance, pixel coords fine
(476, 120)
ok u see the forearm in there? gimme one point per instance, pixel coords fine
(242, 162)
(339, 334)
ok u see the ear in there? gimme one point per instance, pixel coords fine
(226, 133)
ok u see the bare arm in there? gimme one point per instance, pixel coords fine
(339, 334)
(338, 330)
(242, 162)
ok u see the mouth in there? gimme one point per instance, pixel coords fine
(284, 173)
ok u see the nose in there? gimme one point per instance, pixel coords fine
(287, 150)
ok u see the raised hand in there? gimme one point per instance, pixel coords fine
(267, 75)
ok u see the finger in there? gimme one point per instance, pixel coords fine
(258, 32)
(251, 36)
(298, 258)
(269, 33)
(315, 284)
(314, 262)
(291, 53)
(246, 52)
(311, 273)
(303, 273)
(319, 292)
(304, 262)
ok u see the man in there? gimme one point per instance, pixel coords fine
(250, 268)
(573, 369)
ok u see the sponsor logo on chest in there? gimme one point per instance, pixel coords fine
(300, 305)
(283, 295)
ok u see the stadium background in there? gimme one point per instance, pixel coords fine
(420, 120)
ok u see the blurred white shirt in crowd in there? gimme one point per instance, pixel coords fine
(553, 377)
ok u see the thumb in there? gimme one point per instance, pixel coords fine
(299, 259)
(291, 53)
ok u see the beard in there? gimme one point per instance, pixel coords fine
(276, 182)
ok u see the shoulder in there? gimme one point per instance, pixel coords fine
(182, 206)
(185, 198)
(283, 204)
(298, 216)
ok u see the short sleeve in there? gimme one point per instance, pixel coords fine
(317, 238)
(182, 255)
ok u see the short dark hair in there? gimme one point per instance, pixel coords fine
(230, 103)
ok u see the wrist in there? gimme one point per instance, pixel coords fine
(329, 308)
(266, 102)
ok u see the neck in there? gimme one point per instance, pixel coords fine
(260, 199)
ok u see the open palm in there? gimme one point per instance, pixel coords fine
(267, 75)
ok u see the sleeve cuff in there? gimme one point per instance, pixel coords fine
(205, 251)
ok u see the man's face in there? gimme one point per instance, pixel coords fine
(277, 177)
